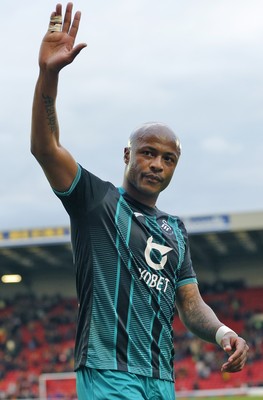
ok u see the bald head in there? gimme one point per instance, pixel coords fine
(151, 158)
(154, 129)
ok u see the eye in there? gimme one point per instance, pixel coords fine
(147, 153)
(169, 159)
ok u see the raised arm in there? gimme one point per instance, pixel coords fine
(200, 319)
(57, 50)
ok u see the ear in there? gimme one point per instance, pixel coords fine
(126, 156)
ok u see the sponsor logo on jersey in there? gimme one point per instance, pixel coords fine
(154, 280)
(163, 250)
(158, 251)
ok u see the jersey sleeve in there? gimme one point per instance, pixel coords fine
(85, 192)
(186, 273)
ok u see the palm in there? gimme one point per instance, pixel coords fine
(56, 50)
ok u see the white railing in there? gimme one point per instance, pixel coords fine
(243, 391)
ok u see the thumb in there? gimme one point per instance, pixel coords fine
(77, 49)
(225, 337)
(226, 345)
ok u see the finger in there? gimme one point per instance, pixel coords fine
(235, 363)
(226, 343)
(67, 18)
(55, 22)
(75, 25)
(240, 353)
(233, 367)
(77, 49)
(59, 9)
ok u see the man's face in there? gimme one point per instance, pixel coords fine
(150, 164)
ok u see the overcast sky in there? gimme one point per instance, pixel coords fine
(196, 65)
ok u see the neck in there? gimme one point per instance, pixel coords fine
(148, 199)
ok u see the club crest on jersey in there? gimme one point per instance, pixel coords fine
(165, 227)
(161, 251)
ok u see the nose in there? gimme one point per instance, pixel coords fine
(156, 164)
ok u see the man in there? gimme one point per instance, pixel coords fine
(132, 260)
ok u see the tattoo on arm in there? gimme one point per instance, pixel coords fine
(199, 317)
(51, 112)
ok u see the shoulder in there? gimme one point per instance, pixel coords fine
(92, 180)
(173, 220)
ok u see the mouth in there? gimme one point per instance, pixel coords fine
(153, 178)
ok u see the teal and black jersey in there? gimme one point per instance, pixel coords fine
(129, 261)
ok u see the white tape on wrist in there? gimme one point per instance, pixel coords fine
(221, 332)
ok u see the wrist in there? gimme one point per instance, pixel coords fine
(220, 333)
(47, 82)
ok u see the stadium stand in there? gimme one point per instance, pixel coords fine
(37, 336)
(37, 319)
(198, 363)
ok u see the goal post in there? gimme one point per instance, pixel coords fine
(63, 385)
(252, 392)
(57, 384)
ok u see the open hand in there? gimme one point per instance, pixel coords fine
(57, 49)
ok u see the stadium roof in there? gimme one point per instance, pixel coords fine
(214, 240)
